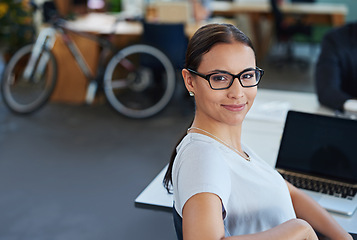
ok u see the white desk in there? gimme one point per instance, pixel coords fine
(334, 12)
(262, 129)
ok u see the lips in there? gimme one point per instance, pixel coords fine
(234, 107)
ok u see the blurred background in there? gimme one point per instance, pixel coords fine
(71, 170)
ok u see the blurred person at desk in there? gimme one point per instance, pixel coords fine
(336, 70)
(222, 189)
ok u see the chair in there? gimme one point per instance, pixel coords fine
(285, 32)
(49, 11)
(177, 223)
(169, 38)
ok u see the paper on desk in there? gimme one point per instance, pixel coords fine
(103, 23)
(92, 22)
(274, 111)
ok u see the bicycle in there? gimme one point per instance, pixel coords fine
(138, 80)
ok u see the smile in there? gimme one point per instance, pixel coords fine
(234, 107)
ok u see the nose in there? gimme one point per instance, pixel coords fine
(236, 90)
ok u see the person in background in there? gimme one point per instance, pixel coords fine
(222, 189)
(336, 69)
(201, 9)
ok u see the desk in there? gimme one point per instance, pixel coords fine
(313, 13)
(101, 23)
(264, 134)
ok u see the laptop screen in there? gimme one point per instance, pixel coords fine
(319, 145)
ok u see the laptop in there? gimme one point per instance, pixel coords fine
(318, 154)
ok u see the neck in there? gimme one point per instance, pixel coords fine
(230, 134)
(239, 152)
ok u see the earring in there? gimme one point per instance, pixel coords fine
(192, 94)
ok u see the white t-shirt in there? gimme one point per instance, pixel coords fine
(254, 195)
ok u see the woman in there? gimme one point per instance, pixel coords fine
(221, 188)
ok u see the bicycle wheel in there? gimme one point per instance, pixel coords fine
(139, 81)
(23, 94)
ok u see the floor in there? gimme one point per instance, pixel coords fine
(73, 172)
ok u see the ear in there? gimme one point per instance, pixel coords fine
(188, 79)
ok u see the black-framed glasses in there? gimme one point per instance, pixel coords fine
(220, 80)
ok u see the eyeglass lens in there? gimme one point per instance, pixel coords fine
(224, 80)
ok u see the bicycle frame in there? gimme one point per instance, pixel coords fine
(46, 40)
(82, 63)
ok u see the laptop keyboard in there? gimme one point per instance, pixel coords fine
(318, 185)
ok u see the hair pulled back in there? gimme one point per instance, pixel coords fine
(201, 42)
(208, 36)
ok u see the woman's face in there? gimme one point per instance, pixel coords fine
(228, 106)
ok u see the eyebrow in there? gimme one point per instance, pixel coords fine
(224, 71)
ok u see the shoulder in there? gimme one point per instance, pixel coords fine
(198, 146)
(201, 157)
(199, 167)
(341, 35)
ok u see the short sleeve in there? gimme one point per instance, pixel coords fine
(200, 167)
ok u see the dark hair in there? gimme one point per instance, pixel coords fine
(201, 42)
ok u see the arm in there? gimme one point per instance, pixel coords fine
(202, 219)
(309, 210)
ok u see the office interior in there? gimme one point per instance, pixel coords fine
(72, 171)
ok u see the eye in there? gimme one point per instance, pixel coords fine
(248, 75)
(220, 77)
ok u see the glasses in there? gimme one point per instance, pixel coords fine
(249, 77)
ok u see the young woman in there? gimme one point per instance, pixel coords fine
(221, 188)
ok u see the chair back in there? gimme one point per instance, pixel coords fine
(169, 38)
(278, 17)
(177, 223)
